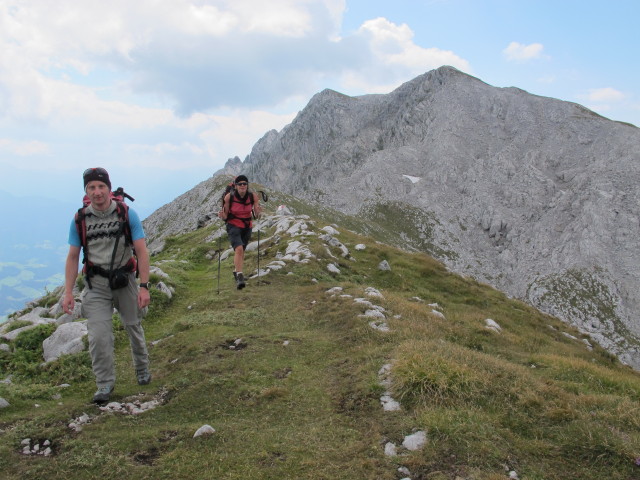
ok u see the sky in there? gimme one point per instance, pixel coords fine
(163, 92)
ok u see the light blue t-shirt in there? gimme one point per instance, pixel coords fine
(137, 232)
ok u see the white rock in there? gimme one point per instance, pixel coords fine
(334, 290)
(389, 404)
(283, 210)
(204, 430)
(67, 339)
(372, 292)
(380, 326)
(373, 313)
(363, 301)
(492, 325)
(157, 271)
(384, 266)
(384, 370)
(360, 246)
(330, 230)
(164, 289)
(437, 313)
(415, 441)
(390, 450)
(4, 403)
(333, 268)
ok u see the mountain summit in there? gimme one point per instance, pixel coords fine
(533, 195)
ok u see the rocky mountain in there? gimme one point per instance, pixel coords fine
(533, 195)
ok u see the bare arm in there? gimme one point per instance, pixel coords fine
(70, 275)
(257, 209)
(140, 246)
(224, 213)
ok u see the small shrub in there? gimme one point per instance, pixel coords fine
(49, 299)
(69, 368)
(159, 303)
(32, 339)
(16, 324)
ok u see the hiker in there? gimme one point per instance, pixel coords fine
(238, 205)
(106, 232)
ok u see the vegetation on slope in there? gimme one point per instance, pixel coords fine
(288, 375)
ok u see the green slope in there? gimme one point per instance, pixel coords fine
(288, 376)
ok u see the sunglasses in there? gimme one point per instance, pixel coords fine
(242, 184)
(98, 170)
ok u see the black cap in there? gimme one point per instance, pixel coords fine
(97, 173)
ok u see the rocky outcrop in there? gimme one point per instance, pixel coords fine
(535, 196)
(66, 340)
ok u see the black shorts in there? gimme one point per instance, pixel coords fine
(238, 236)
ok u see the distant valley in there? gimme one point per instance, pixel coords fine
(33, 246)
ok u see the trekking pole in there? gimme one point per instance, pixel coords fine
(219, 255)
(258, 282)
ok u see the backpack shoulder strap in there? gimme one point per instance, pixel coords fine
(123, 214)
(81, 226)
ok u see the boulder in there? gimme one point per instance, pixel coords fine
(67, 339)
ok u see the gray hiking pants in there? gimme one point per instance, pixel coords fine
(97, 307)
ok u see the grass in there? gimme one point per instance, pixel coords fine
(298, 395)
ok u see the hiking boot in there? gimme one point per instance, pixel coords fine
(103, 394)
(240, 280)
(235, 276)
(144, 376)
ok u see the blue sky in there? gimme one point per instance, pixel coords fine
(162, 93)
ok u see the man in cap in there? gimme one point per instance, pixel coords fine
(109, 232)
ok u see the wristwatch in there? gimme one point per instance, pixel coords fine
(145, 285)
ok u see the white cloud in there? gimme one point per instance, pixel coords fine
(548, 79)
(189, 85)
(23, 149)
(236, 133)
(395, 58)
(520, 53)
(607, 94)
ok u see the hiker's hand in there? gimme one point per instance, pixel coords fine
(68, 302)
(144, 298)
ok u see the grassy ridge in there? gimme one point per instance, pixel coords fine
(299, 396)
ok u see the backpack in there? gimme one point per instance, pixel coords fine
(125, 229)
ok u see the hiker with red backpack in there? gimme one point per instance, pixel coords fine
(112, 239)
(239, 204)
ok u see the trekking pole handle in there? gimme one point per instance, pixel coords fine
(120, 191)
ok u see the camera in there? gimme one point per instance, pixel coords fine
(118, 279)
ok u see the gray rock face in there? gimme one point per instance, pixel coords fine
(185, 213)
(66, 340)
(533, 195)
